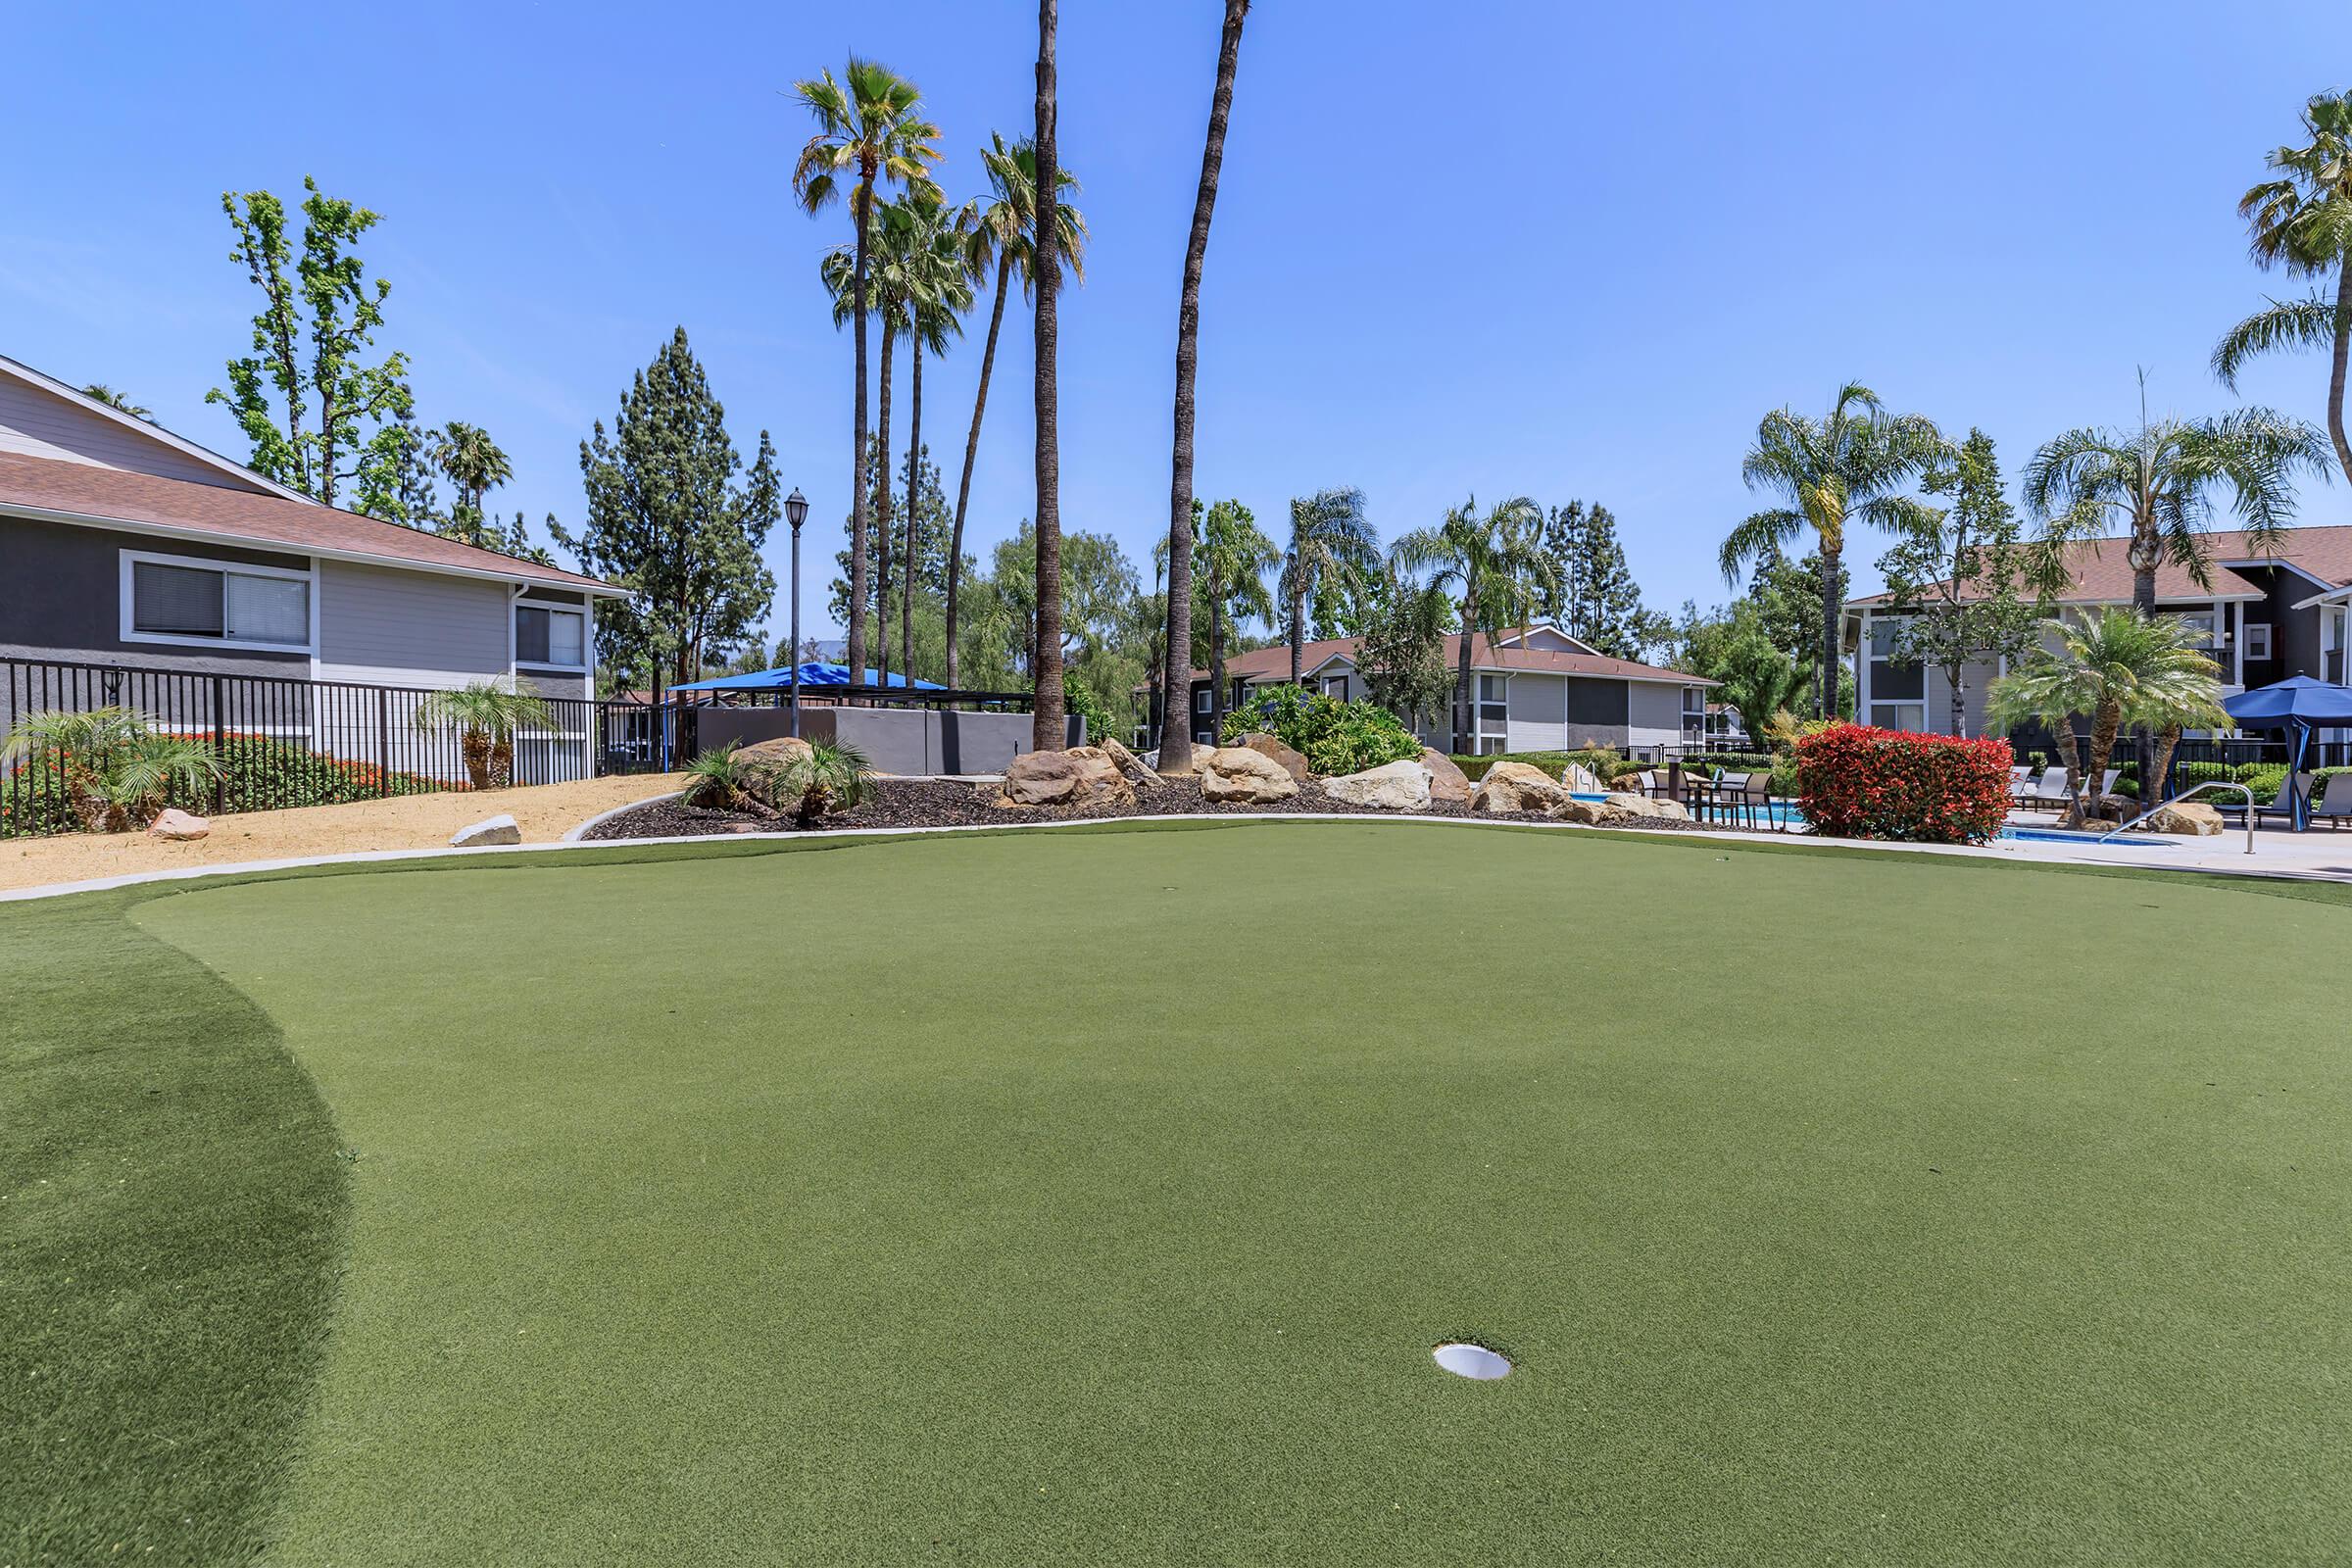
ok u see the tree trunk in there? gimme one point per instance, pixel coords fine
(2088, 801)
(2151, 791)
(1175, 734)
(1298, 631)
(1959, 689)
(1465, 704)
(1832, 611)
(863, 199)
(1048, 731)
(971, 450)
(1216, 671)
(2337, 367)
(881, 529)
(914, 486)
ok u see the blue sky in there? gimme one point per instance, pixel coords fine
(1501, 248)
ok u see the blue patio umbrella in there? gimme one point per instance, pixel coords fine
(811, 674)
(2298, 705)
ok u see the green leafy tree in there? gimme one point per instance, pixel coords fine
(101, 392)
(1176, 728)
(999, 237)
(870, 132)
(1497, 565)
(1961, 575)
(2159, 481)
(928, 513)
(2113, 667)
(1402, 654)
(668, 518)
(1332, 547)
(332, 426)
(1849, 467)
(1229, 580)
(1597, 602)
(2301, 222)
(415, 500)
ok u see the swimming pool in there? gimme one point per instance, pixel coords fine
(1784, 816)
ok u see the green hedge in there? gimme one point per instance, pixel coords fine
(1607, 765)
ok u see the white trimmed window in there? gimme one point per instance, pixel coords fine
(1912, 717)
(191, 600)
(2258, 639)
(551, 636)
(1201, 699)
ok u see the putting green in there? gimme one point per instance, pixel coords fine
(1096, 1197)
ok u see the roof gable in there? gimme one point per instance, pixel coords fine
(41, 417)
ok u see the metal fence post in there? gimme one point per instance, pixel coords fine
(220, 744)
(383, 744)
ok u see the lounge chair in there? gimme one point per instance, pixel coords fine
(2020, 783)
(2283, 806)
(2051, 792)
(2334, 800)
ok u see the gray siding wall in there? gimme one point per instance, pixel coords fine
(1655, 712)
(60, 596)
(894, 740)
(411, 628)
(41, 425)
(1976, 679)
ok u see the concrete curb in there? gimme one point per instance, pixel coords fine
(2028, 853)
(578, 833)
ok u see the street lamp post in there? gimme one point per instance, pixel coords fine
(795, 513)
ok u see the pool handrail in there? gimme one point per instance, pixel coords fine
(2210, 784)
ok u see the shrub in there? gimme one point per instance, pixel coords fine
(1607, 765)
(108, 767)
(1732, 761)
(1334, 737)
(256, 773)
(1864, 783)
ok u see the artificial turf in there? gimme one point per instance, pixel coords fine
(1097, 1197)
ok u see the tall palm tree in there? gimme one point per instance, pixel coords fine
(115, 400)
(2302, 223)
(473, 462)
(1498, 565)
(1229, 580)
(871, 129)
(2159, 481)
(2114, 666)
(939, 290)
(1851, 467)
(889, 287)
(998, 237)
(1175, 730)
(1330, 544)
(1046, 730)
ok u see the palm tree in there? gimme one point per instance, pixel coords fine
(1499, 565)
(1000, 234)
(1330, 544)
(114, 768)
(2114, 666)
(1046, 730)
(473, 462)
(2159, 480)
(2302, 221)
(870, 126)
(115, 400)
(485, 714)
(2173, 700)
(1848, 468)
(1175, 730)
(939, 290)
(1228, 579)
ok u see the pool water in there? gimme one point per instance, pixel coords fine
(1783, 814)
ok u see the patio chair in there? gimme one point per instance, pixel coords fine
(1749, 794)
(2051, 792)
(2020, 782)
(2283, 806)
(1722, 798)
(2334, 800)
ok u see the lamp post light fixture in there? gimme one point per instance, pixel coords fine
(795, 513)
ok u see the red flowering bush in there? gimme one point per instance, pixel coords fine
(1856, 782)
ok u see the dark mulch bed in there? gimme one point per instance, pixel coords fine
(931, 802)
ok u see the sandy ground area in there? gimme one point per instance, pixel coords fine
(545, 812)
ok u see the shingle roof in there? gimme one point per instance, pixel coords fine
(117, 494)
(2103, 575)
(1484, 655)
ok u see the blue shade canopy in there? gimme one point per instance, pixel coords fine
(811, 674)
(2298, 700)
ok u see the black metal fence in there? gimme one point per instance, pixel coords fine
(284, 742)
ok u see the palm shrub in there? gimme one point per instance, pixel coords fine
(485, 714)
(115, 769)
(2113, 667)
(829, 776)
(719, 781)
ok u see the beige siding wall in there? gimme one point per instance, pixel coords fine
(409, 628)
(41, 425)
(1655, 714)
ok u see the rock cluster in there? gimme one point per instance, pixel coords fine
(1246, 775)
(1390, 787)
(1515, 789)
(1083, 775)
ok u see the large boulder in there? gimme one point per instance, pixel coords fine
(1620, 810)
(1244, 774)
(178, 825)
(1130, 766)
(1643, 805)
(759, 765)
(1293, 762)
(1080, 776)
(2192, 817)
(1391, 787)
(498, 829)
(1514, 789)
(1446, 782)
